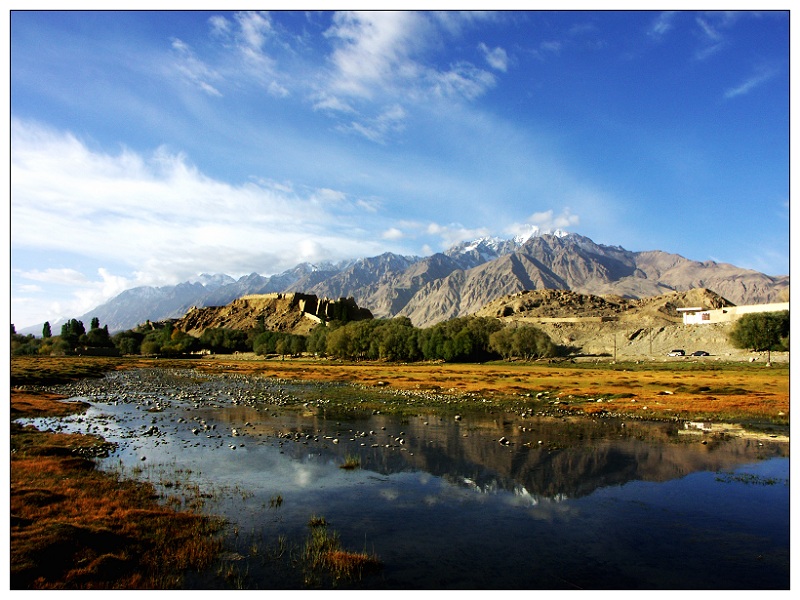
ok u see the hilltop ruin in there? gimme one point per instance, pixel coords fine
(289, 313)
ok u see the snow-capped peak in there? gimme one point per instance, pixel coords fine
(531, 231)
(212, 281)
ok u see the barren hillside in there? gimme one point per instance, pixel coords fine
(621, 327)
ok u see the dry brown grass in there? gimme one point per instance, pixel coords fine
(323, 556)
(40, 404)
(73, 527)
(728, 391)
(702, 389)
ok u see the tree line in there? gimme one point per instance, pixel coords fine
(74, 339)
(463, 339)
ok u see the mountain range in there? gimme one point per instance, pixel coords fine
(459, 281)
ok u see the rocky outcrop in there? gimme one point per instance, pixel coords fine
(289, 313)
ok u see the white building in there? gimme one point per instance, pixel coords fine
(697, 315)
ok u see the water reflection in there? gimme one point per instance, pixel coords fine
(490, 500)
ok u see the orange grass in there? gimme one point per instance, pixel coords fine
(728, 391)
(736, 391)
(350, 564)
(73, 527)
(40, 404)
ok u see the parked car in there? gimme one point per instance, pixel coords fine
(700, 353)
(677, 353)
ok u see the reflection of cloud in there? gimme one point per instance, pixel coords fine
(303, 477)
(389, 494)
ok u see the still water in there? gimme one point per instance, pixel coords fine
(484, 500)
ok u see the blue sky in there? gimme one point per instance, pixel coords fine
(149, 147)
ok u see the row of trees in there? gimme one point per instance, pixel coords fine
(465, 339)
(74, 339)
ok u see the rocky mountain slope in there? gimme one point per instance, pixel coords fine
(576, 263)
(459, 281)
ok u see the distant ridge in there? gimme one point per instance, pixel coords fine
(459, 281)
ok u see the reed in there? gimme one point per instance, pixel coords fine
(350, 462)
(323, 555)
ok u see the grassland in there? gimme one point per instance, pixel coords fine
(731, 392)
(736, 392)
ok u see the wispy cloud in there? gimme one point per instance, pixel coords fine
(247, 35)
(192, 69)
(761, 77)
(662, 24)
(496, 57)
(381, 55)
(378, 128)
(546, 221)
(160, 214)
(453, 233)
(708, 30)
(373, 50)
(55, 276)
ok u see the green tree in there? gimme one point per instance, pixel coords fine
(98, 338)
(223, 340)
(71, 333)
(762, 332)
(95, 323)
(318, 338)
(128, 342)
(46, 331)
(501, 341)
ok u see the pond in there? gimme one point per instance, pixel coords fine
(480, 500)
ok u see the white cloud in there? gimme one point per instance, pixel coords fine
(662, 24)
(54, 276)
(254, 28)
(454, 233)
(76, 293)
(379, 128)
(247, 36)
(764, 75)
(496, 57)
(393, 233)
(382, 54)
(549, 221)
(160, 216)
(373, 49)
(192, 69)
(462, 79)
(709, 30)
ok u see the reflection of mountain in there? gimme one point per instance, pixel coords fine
(575, 457)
